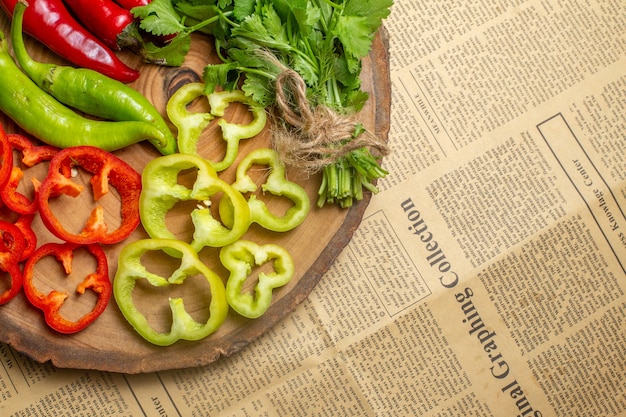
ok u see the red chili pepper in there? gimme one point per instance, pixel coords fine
(106, 169)
(12, 245)
(31, 156)
(52, 302)
(111, 23)
(51, 23)
(129, 4)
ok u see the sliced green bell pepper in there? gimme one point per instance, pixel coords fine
(184, 327)
(161, 192)
(239, 258)
(276, 184)
(191, 125)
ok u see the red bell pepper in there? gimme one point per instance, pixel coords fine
(52, 24)
(52, 302)
(106, 169)
(31, 156)
(12, 245)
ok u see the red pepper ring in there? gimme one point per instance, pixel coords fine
(24, 224)
(106, 169)
(12, 245)
(31, 156)
(6, 157)
(52, 302)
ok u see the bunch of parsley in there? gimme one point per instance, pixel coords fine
(324, 41)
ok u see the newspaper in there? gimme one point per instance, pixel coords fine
(487, 277)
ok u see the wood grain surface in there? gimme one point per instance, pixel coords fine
(110, 344)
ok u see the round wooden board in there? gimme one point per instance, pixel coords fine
(110, 344)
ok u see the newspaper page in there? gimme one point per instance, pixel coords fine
(487, 277)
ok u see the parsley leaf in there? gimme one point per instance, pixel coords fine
(354, 34)
(159, 18)
(172, 54)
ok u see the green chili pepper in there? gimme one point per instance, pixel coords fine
(47, 119)
(191, 125)
(87, 90)
(130, 270)
(276, 184)
(239, 258)
(161, 191)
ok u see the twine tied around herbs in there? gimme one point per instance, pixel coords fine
(315, 137)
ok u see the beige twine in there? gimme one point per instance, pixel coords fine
(315, 137)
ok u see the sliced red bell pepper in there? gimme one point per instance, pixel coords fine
(106, 169)
(6, 157)
(51, 303)
(12, 245)
(24, 224)
(31, 156)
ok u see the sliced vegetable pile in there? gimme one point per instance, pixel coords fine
(144, 198)
(297, 62)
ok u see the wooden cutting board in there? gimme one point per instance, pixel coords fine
(110, 344)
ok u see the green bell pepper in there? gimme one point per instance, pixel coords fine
(239, 258)
(161, 192)
(276, 184)
(184, 327)
(191, 125)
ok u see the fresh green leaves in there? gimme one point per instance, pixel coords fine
(265, 30)
(172, 54)
(357, 26)
(159, 18)
(164, 18)
(322, 40)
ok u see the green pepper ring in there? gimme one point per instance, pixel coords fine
(161, 191)
(106, 169)
(239, 258)
(276, 184)
(191, 125)
(184, 327)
